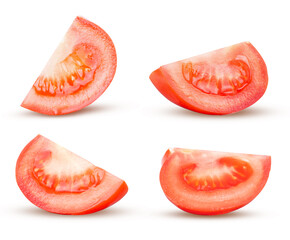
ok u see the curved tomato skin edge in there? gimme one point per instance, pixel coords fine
(210, 213)
(160, 80)
(23, 152)
(118, 195)
(262, 64)
(112, 73)
(168, 156)
(115, 197)
(21, 156)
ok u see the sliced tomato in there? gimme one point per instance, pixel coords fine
(210, 183)
(78, 72)
(59, 181)
(220, 82)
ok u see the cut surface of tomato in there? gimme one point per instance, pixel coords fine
(219, 82)
(209, 182)
(78, 72)
(59, 181)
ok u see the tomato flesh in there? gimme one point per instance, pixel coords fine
(78, 72)
(59, 181)
(219, 82)
(210, 183)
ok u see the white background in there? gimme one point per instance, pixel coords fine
(129, 128)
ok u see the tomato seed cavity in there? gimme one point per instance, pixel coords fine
(68, 184)
(229, 173)
(219, 79)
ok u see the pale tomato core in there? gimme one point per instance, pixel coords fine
(55, 178)
(225, 173)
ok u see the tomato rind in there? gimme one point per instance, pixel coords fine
(214, 202)
(168, 79)
(109, 191)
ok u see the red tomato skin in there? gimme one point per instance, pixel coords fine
(197, 207)
(117, 192)
(170, 87)
(112, 199)
(59, 105)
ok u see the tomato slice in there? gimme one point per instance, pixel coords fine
(78, 72)
(59, 181)
(219, 82)
(210, 183)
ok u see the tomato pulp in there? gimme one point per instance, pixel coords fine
(78, 72)
(209, 182)
(59, 181)
(219, 82)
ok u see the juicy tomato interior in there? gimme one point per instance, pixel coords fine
(59, 181)
(228, 172)
(54, 173)
(78, 72)
(208, 183)
(226, 78)
(73, 72)
(219, 82)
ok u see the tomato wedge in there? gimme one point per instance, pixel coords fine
(210, 183)
(59, 181)
(219, 82)
(78, 72)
